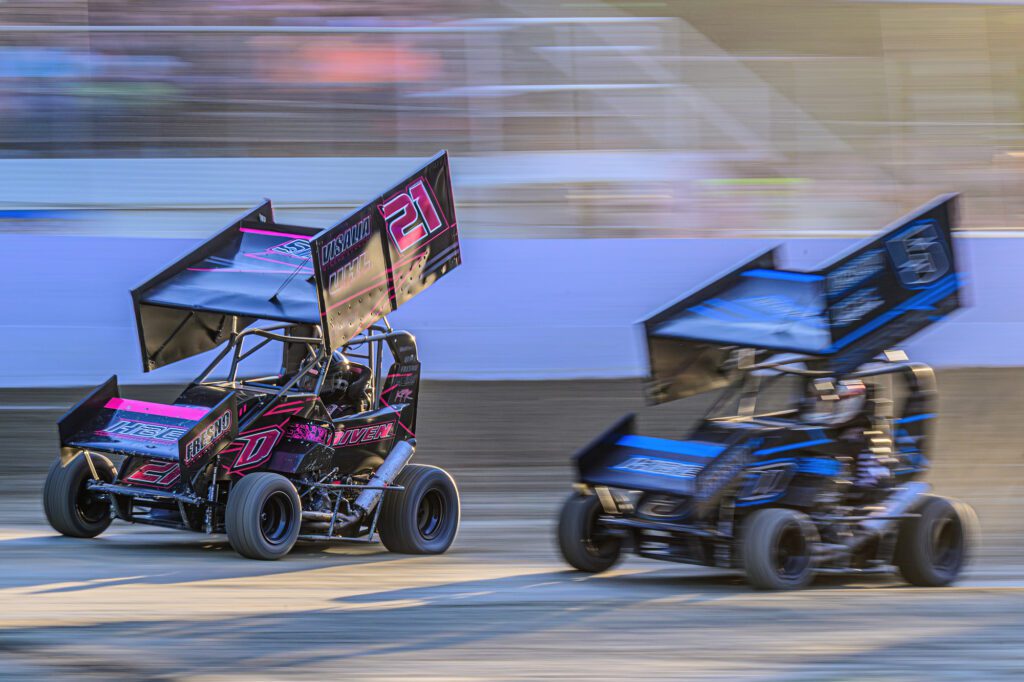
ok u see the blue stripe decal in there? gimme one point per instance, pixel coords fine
(915, 418)
(693, 448)
(711, 312)
(819, 466)
(937, 291)
(742, 311)
(793, 446)
(780, 274)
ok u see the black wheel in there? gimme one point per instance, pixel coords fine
(69, 506)
(263, 516)
(933, 548)
(423, 518)
(584, 542)
(777, 546)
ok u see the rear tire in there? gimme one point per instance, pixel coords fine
(932, 549)
(69, 507)
(584, 544)
(423, 518)
(776, 547)
(263, 516)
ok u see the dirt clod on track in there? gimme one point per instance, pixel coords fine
(140, 603)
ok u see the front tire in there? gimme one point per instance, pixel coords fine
(933, 548)
(69, 506)
(776, 547)
(585, 545)
(263, 516)
(424, 517)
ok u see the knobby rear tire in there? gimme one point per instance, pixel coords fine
(933, 548)
(424, 517)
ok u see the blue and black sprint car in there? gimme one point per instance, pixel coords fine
(809, 459)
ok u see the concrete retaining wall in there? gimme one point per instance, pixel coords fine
(516, 309)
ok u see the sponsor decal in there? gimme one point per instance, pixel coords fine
(403, 395)
(856, 306)
(257, 447)
(360, 435)
(659, 467)
(858, 270)
(411, 216)
(208, 437)
(160, 474)
(139, 430)
(344, 242)
(296, 248)
(308, 432)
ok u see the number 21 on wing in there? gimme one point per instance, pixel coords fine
(411, 216)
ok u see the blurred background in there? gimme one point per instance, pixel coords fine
(631, 118)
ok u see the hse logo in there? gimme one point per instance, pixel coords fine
(296, 248)
(130, 428)
(659, 467)
(363, 434)
(411, 216)
(207, 437)
(160, 474)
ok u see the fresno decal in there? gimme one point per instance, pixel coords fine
(207, 437)
(363, 434)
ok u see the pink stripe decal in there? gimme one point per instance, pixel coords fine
(191, 414)
(275, 234)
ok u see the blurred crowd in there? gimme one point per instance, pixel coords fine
(763, 110)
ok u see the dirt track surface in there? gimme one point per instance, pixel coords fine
(142, 603)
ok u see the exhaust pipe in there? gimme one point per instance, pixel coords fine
(367, 501)
(385, 475)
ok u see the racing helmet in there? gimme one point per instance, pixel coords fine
(833, 402)
(338, 377)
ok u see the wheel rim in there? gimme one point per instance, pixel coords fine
(947, 544)
(791, 555)
(91, 508)
(598, 541)
(431, 514)
(276, 518)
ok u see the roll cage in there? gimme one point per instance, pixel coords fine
(367, 347)
(752, 378)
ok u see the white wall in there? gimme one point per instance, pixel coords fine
(516, 308)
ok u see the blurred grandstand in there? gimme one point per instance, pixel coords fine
(566, 119)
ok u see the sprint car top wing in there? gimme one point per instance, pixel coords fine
(878, 294)
(349, 275)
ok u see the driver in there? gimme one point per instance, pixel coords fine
(838, 404)
(347, 387)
